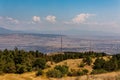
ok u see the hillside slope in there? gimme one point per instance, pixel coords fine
(73, 64)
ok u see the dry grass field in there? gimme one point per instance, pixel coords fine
(31, 76)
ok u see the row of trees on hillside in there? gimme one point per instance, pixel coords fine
(20, 61)
(75, 55)
(101, 65)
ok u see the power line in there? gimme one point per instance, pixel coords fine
(90, 46)
(61, 44)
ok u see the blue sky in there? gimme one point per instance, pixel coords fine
(60, 15)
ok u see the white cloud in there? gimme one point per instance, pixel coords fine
(51, 19)
(8, 20)
(36, 19)
(80, 19)
(12, 20)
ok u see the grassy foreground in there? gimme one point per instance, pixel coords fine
(34, 65)
(73, 64)
(31, 76)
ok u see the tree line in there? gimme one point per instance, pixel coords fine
(20, 61)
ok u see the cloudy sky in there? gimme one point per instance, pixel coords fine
(60, 15)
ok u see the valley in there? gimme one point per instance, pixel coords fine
(48, 43)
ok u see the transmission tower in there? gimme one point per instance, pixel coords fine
(61, 44)
(90, 44)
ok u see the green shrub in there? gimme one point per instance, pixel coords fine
(39, 63)
(20, 68)
(54, 73)
(81, 65)
(78, 73)
(47, 66)
(99, 63)
(29, 68)
(39, 72)
(98, 71)
(87, 60)
(110, 65)
(85, 71)
(75, 73)
(9, 68)
(63, 69)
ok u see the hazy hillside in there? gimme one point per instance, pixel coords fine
(3, 30)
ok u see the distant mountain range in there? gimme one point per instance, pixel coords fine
(67, 32)
(8, 31)
(3, 30)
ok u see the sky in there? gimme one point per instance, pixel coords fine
(56, 16)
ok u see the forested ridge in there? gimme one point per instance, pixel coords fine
(21, 61)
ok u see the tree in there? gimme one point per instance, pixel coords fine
(9, 68)
(20, 68)
(39, 72)
(111, 65)
(39, 63)
(63, 69)
(98, 71)
(87, 60)
(99, 63)
(54, 73)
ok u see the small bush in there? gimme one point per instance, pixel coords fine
(87, 60)
(47, 66)
(81, 65)
(73, 74)
(20, 69)
(9, 68)
(85, 71)
(54, 73)
(39, 72)
(63, 69)
(69, 74)
(39, 63)
(78, 73)
(98, 71)
(29, 68)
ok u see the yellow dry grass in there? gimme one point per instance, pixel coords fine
(72, 64)
(31, 76)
